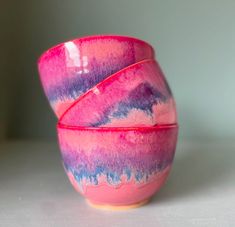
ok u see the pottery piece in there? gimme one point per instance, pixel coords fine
(69, 69)
(117, 121)
(138, 95)
(117, 166)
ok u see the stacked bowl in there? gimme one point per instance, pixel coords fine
(117, 122)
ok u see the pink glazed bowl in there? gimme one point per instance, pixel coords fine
(117, 168)
(135, 96)
(71, 68)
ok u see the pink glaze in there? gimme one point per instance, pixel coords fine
(117, 166)
(127, 193)
(117, 90)
(64, 68)
(117, 127)
(111, 139)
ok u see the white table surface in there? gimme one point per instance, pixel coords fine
(34, 190)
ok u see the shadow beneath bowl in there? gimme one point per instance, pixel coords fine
(197, 168)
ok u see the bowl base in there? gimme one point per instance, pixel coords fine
(117, 207)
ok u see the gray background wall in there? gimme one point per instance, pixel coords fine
(194, 42)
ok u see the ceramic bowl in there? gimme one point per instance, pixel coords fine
(69, 69)
(138, 95)
(117, 167)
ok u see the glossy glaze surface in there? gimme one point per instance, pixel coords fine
(135, 96)
(117, 122)
(117, 166)
(69, 69)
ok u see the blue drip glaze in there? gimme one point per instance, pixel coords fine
(139, 176)
(127, 172)
(82, 82)
(113, 177)
(143, 97)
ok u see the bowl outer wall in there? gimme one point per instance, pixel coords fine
(118, 167)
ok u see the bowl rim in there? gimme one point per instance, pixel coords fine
(93, 37)
(118, 129)
(105, 81)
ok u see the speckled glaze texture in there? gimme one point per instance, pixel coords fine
(117, 167)
(117, 121)
(68, 70)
